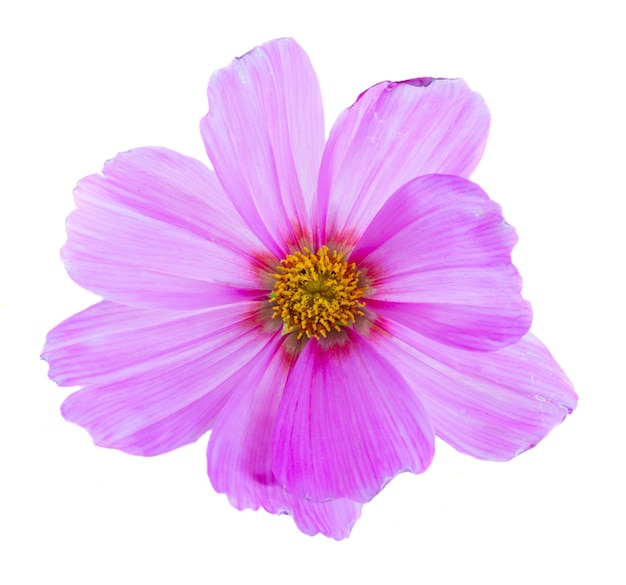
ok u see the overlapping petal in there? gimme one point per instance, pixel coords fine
(347, 424)
(239, 455)
(155, 230)
(491, 405)
(153, 380)
(264, 134)
(438, 258)
(392, 134)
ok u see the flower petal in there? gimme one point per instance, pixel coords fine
(438, 255)
(154, 380)
(347, 424)
(392, 134)
(239, 453)
(492, 405)
(155, 230)
(264, 134)
(334, 519)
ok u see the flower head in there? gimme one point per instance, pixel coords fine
(325, 308)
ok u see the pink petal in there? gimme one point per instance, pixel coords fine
(239, 453)
(264, 134)
(154, 380)
(347, 424)
(155, 230)
(438, 255)
(492, 405)
(392, 134)
(334, 519)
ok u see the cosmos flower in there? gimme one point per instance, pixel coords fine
(325, 308)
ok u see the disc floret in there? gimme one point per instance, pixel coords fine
(316, 293)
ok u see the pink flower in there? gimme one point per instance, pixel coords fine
(325, 308)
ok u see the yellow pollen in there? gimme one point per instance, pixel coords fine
(316, 293)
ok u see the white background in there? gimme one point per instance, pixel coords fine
(81, 81)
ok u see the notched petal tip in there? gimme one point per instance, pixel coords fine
(426, 81)
(256, 51)
(421, 82)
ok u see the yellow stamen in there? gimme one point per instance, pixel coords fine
(315, 294)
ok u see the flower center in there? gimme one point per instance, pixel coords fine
(316, 293)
